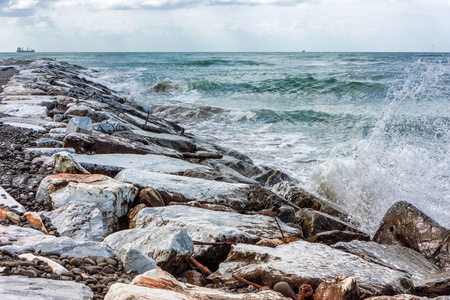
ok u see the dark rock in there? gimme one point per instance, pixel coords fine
(340, 288)
(195, 277)
(133, 213)
(30, 273)
(261, 198)
(75, 261)
(151, 197)
(314, 222)
(433, 285)
(335, 236)
(285, 289)
(405, 225)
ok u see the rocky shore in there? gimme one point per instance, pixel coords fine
(99, 199)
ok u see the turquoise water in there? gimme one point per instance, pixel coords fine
(363, 129)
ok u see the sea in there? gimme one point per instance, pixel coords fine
(363, 130)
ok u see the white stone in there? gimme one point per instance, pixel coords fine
(21, 110)
(134, 259)
(24, 288)
(303, 262)
(26, 126)
(202, 190)
(64, 162)
(110, 196)
(212, 226)
(160, 285)
(56, 268)
(79, 124)
(10, 203)
(80, 221)
(150, 162)
(27, 238)
(162, 244)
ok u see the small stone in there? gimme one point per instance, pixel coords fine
(89, 261)
(75, 261)
(30, 273)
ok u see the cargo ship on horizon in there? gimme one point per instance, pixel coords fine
(22, 49)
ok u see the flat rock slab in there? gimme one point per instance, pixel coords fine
(10, 203)
(20, 287)
(26, 238)
(302, 262)
(205, 191)
(157, 284)
(107, 163)
(21, 110)
(26, 126)
(392, 256)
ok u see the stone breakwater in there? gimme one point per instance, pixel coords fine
(99, 199)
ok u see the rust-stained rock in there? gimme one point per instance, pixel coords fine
(405, 225)
(35, 220)
(433, 285)
(151, 197)
(9, 215)
(158, 284)
(195, 278)
(340, 288)
(133, 213)
(335, 236)
(315, 222)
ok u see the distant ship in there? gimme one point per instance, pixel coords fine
(21, 49)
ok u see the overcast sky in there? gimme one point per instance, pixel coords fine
(225, 25)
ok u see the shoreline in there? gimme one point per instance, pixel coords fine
(173, 176)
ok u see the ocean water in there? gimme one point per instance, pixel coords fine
(362, 129)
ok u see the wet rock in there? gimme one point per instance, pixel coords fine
(261, 198)
(302, 262)
(18, 287)
(303, 199)
(172, 141)
(158, 284)
(64, 162)
(335, 236)
(80, 125)
(405, 225)
(314, 222)
(134, 259)
(110, 196)
(81, 221)
(108, 144)
(150, 197)
(340, 288)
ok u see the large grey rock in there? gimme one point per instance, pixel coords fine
(202, 190)
(391, 256)
(110, 163)
(80, 221)
(64, 162)
(405, 225)
(434, 284)
(314, 222)
(85, 111)
(134, 259)
(20, 287)
(170, 248)
(157, 284)
(80, 125)
(176, 142)
(111, 197)
(302, 262)
(26, 238)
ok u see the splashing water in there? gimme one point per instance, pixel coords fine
(404, 159)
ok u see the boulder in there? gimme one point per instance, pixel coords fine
(100, 143)
(204, 191)
(434, 284)
(340, 288)
(172, 141)
(303, 199)
(157, 284)
(48, 143)
(151, 197)
(110, 127)
(405, 225)
(114, 163)
(261, 198)
(335, 236)
(134, 259)
(314, 222)
(81, 221)
(111, 197)
(9, 203)
(133, 213)
(391, 256)
(20, 287)
(170, 248)
(302, 262)
(26, 238)
(64, 162)
(85, 111)
(80, 125)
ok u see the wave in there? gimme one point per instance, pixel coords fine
(224, 62)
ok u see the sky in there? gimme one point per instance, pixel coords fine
(225, 25)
